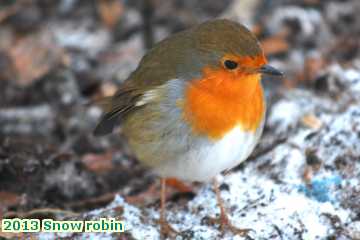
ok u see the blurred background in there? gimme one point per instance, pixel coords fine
(58, 57)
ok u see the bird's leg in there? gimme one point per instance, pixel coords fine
(224, 220)
(165, 228)
(152, 193)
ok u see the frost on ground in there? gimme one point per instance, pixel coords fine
(304, 187)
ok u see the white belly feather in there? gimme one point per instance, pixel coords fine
(206, 162)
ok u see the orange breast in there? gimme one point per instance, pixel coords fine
(222, 100)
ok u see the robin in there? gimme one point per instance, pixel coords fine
(194, 107)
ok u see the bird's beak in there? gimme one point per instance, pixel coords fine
(267, 69)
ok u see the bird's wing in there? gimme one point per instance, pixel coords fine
(117, 107)
(155, 69)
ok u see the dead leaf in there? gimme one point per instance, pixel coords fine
(8, 199)
(308, 174)
(10, 235)
(257, 29)
(178, 185)
(7, 71)
(34, 56)
(110, 12)
(289, 83)
(98, 162)
(274, 45)
(312, 67)
(108, 89)
(311, 121)
(312, 2)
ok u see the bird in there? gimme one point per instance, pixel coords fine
(194, 107)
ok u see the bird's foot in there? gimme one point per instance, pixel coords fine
(225, 225)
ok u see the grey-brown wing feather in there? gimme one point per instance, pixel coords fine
(121, 104)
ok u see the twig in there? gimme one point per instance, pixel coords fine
(268, 148)
(147, 15)
(278, 231)
(42, 211)
(260, 152)
(92, 202)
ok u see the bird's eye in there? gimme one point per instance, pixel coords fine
(230, 64)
